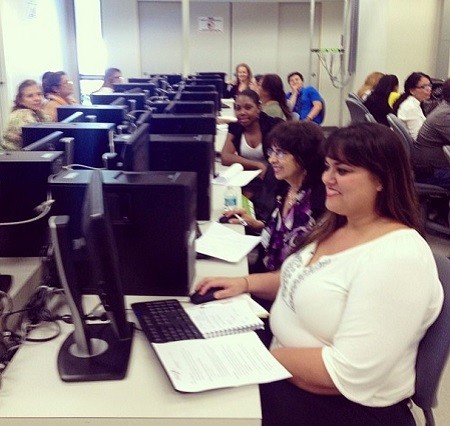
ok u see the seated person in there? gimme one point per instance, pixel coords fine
(112, 75)
(273, 98)
(369, 84)
(347, 319)
(246, 141)
(27, 109)
(407, 107)
(297, 165)
(378, 101)
(304, 100)
(58, 89)
(427, 154)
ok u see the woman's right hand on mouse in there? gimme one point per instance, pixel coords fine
(231, 286)
(253, 223)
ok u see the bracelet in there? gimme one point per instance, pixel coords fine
(248, 284)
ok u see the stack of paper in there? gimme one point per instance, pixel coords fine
(235, 175)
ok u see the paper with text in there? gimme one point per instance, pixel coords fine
(235, 175)
(224, 243)
(220, 362)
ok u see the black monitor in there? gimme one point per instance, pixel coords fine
(170, 78)
(190, 107)
(153, 217)
(103, 113)
(91, 140)
(73, 117)
(204, 80)
(23, 188)
(185, 95)
(93, 351)
(131, 98)
(193, 153)
(132, 150)
(194, 87)
(125, 87)
(189, 124)
(54, 142)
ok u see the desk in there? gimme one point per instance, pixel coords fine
(32, 393)
(222, 129)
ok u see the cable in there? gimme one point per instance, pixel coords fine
(45, 206)
(81, 166)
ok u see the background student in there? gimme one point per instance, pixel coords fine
(112, 75)
(58, 90)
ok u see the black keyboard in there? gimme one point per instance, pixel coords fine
(165, 321)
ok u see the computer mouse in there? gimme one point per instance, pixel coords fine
(198, 298)
(224, 219)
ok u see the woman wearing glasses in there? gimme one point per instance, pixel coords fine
(58, 89)
(297, 166)
(407, 107)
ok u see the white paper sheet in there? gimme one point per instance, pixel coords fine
(235, 175)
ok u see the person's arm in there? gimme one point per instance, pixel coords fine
(229, 156)
(255, 224)
(263, 285)
(314, 111)
(291, 101)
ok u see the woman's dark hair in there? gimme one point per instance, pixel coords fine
(385, 86)
(251, 94)
(51, 80)
(22, 86)
(410, 83)
(273, 86)
(446, 90)
(379, 150)
(303, 140)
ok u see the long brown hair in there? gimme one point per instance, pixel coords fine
(273, 86)
(377, 149)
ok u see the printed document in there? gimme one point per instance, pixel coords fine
(235, 175)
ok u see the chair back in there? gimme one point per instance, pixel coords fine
(353, 95)
(434, 348)
(370, 118)
(357, 110)
(400, 129)
(446, 149)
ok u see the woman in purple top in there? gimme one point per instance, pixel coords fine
(297, 166)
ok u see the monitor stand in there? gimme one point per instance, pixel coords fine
(108, 358)
(5, 282)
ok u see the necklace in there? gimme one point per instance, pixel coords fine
(291, 197)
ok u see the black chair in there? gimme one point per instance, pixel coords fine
(370, 118)
(433, 350)
(353, 95)
(427, 193)
(357, 110)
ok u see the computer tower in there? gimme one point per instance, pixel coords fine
(23, 187)
(153, 215)
(194, 153)
(91, 140)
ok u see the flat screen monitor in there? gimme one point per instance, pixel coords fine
(73, 117)
(185, 95)
(102, 113)
(23, 188)
(187, 124)
(106, 99)
(54, 142)
(203, 80)
(193, 153)
(153, 219)
(132, 150)
(91, 140)
(170, 78)
(190, 107)
(125, 87)
(93, 351)
(194, 87)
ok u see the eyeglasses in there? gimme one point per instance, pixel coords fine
(425, 86)
(66, 83)
(279, 153)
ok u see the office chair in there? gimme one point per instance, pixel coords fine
(370, 118)
(357, 110)
(353, 95)
(425, 191)
(446, 149)
(433, 350)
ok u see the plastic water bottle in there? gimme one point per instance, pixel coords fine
(230, 199)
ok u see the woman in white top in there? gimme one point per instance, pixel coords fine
(407, 107)
(352, 305)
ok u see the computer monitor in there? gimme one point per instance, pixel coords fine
(203, 80)
(189, 124)
(91, 140)
(132, 149)
(193, 153)
(153, 217)
(55, 142)
(185, 95)
(107, 98)
(190, 107)
(193, 87)
(125, 87)
(93, 351)
(103, 113)
(73, 117)
(23, 189)
(170, 78)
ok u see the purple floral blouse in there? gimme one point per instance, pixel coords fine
(280, 236)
